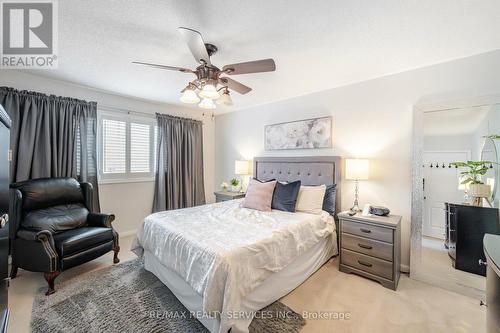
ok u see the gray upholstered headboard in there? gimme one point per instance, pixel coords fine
(310, 170)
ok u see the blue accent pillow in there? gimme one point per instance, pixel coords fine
(285, 196)
(329, 200)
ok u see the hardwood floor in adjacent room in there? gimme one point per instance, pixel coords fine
(414, 307)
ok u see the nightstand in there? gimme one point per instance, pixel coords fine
(226, 195)
(370, 246)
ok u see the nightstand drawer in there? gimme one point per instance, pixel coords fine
(368, 264)
(367, 230)
(367, 246)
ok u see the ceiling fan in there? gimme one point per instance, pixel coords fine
(208, 77)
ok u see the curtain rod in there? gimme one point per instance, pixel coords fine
(115, 109)
(149, 115)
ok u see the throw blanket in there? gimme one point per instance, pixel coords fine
(224, 251)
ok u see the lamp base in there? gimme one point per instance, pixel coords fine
(355, 208)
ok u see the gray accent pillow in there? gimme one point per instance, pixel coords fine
(285, 196)
(329, 199)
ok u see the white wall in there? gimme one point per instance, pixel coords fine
(459, 142)
(490, 125)
(130, 202)
(371, 119)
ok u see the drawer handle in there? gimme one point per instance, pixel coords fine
(368, 247)
(367, 231)
(364, 263)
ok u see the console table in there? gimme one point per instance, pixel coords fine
(466, 226)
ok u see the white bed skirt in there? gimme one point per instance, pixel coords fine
(275, 287)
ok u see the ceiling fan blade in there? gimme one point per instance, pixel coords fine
(180, 69)
(196, 45)
(234, 85)
(258, 66)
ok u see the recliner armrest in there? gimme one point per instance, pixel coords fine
(100, 220)
(33, 235)
(34, 250)
(41, 236)
(27, 234)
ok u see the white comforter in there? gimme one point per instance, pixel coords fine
(224, 251)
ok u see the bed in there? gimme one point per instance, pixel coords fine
(224, 262)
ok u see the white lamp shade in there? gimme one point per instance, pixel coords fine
(225, 99)
(241, 167)
(189, 96)
(207, 104)
(209, 91)
(357, 169)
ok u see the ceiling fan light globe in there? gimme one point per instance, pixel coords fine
(189, 96)
(225, 99)
(209, 91)
(207, 103)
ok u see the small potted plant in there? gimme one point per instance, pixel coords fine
(235, 185)
(472, 177)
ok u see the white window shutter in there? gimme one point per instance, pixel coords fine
(155, 148)
(140, 148)
(114, 147)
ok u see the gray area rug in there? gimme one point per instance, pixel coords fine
(126, 298)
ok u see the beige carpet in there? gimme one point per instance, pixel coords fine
(414, 307)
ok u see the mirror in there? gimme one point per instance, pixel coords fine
(442, 210)
(489, 153)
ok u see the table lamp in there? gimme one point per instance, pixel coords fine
(356, 169)
(241, 168)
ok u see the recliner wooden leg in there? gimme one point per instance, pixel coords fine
(13, 271)
(50, 277)
(116, 260)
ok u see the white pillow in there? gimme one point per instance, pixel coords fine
(310, 199)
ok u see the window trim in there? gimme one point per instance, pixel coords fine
(128, 118)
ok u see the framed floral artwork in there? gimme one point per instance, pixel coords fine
(302, 134)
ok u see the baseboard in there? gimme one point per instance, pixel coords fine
(128, 233)
(404, 268)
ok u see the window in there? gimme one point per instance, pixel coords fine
(140, 148)
(155, 148)
(114, 147)
(127, 147)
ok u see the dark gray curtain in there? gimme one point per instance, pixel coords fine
(179, 174)
(52, 136)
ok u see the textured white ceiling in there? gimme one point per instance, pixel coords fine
(316, 44)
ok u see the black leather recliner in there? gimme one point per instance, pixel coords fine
(53, 227)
